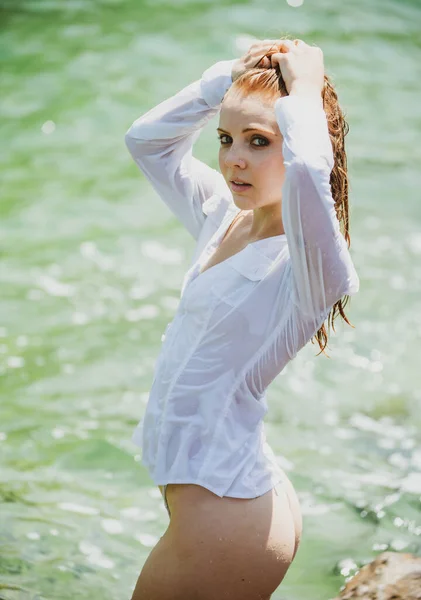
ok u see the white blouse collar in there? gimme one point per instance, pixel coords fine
(253, 261)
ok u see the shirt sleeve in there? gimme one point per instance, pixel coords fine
(161, 142)
(322, 270)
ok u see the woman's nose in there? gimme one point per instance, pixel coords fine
(233, 158)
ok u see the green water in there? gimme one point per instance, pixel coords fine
(91, 268)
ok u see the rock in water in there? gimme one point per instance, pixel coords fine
(391, 576)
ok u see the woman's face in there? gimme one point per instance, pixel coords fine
(253, 156)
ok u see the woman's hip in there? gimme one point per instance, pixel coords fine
(181, 499)
(255, 538)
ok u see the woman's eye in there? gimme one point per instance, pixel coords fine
(265, 142)
(258, 137)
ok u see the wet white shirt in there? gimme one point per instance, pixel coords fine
(242, 320)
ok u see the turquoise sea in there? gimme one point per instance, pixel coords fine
(91, 264)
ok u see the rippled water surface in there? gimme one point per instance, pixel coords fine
(91, 268)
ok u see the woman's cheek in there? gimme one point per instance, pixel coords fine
(277, 167)
(221, 163)
(275, 179)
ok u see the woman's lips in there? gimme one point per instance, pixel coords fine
(239, 188)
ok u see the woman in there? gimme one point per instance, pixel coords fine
(270, 266)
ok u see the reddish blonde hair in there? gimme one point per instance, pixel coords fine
(268, 82)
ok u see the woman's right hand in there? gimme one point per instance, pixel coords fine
(255, 55)
(301, 66)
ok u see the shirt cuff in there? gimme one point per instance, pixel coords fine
(303, 124)
(215, 82)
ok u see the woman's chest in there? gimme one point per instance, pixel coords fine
(234, 297)
(227, 274)
(233, 241)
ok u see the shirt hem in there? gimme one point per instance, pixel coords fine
(204, 484)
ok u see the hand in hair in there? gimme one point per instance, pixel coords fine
(301, 67)
(255, 56)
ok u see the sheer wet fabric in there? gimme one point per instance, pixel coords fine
(241, 321)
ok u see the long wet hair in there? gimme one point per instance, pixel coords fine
(269, 82)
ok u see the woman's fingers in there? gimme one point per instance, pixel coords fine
(288, 45)
(265, 62)
(263, 48)
(260, 51)
(257, 54)
(265, 43)
(300, 65)
(282, 46)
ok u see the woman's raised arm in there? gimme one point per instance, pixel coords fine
(161, 142)
(322, 268)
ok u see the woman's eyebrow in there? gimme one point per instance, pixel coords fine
(250, 129)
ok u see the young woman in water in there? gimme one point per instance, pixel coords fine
(270, 265)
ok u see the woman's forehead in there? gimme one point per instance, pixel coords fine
(239, 112)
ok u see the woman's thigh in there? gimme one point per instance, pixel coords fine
(216, 548)
(161, 577)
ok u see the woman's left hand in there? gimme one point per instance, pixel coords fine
(255, 55)
(301, 67)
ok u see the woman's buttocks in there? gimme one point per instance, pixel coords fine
(259, 534)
